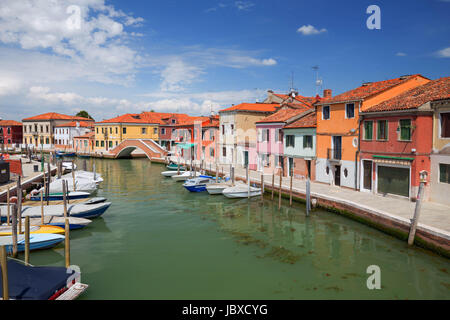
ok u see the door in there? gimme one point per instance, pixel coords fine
(367, 174)
(337, 147)
(337, 175)
(393, 180)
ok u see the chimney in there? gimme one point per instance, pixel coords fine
(327, 93)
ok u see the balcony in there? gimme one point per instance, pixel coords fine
(334, 154)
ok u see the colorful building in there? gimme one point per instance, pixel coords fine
(238, 138)
(300, 146)
(38, 131)
(65, 133)
(10, 133)
(85, 143)
(167, 129)
(270, 143)
(338, 132)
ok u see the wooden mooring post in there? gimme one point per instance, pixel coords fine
(273, 183)
(262, 186)
(14, 230)
(48, 182)
(4, 264)
(290, 190)
(42, 207)
(27, 239)
(8, 204)
(279, 191)
(308, 196)
(19, 203)
(415, 220)
(248, 183)
(66, 227)
(73, 176)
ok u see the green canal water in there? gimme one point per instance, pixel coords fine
(159, 241)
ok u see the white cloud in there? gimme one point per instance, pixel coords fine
(243, 5)
(444, 53)
(400, 54)
(95, 40)
(177, 74)
(308, 30)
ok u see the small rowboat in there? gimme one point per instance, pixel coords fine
(174, 166)
(57, 196)
(171, 173)
(37, 241)
(34, 229)
(74, 223)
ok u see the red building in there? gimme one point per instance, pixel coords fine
(396, 141)
(167, 125)
(10, 132)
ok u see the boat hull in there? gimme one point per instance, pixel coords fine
(38, 242)
(171, 173)
(215, 190)
(197, 188)
(60, 196)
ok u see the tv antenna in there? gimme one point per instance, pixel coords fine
(292, 89)
(319, 82)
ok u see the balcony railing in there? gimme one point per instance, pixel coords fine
(334, 154)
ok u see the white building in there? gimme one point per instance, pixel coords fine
(64, 133)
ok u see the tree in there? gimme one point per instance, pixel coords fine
(84, 114)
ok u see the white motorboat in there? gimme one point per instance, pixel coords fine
(185, 176)
(67, 165)
(241, 191)
(217, 188)
(171, 173)
(81, 184)
(80, 174)
(198, 184)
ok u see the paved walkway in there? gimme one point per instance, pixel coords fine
(434, 217)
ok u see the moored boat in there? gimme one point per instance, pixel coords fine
(197, 184)
(74, 223)
(37, 241)
(171, 173)
(217, 188)
(241, 191)
(174, 166)
(185, 176)
(57, 196)
(34, 229)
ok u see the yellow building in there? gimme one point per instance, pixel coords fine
(110, 133)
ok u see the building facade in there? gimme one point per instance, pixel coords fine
(10, 133)
(65, 133)
(85, 143)
(38, 131)
(338, 132)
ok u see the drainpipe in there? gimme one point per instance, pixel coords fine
(360, 118)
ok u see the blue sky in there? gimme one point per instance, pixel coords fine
(194, 56)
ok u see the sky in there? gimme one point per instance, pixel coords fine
(194, 57)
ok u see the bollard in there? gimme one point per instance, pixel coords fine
(4, 264)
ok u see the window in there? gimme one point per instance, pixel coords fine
(24, 129)
(444, 173)
(211, 152)
(116, 143)
(173, 121)
(9, 141)
(382, 126)
(9, 130)
(96, 129)
(25, 140)
(232, 128)
(103, 130)
(278, 135)
(155, 130)
(124, 130)
(143, 130)
(116, 130)
(326, 112)
(266, 135)
(163, 131)
(307, 142)
(103, 143)
(224, 151)
(405, 129)
(47, 141)
(46, 128)
(110, 144)
(290, 141)
(223, 129)
(96, 143)
(110, 130)
(445, 125)
(41, 128)
(368, 130)
(350, 110)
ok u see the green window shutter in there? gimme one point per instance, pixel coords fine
(405, 129)
(368, 128)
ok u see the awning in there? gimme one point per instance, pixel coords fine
(403, 161)
(185, 145)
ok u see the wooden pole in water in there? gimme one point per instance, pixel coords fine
(67, 241)
(273, 183)
(248, 183)
(19, 203)
(27, 239)
(48, 183)
(279, 192)
(14, 230)
(42, 207)
(8, 204)
(232, 175)
(415, 219)
(308, 196)
(262, 186)
(290, 190)
(67, 190)
(4, 264)
(73, 176)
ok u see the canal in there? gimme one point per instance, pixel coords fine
(158, 241)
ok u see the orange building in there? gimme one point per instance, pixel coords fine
(338, 132)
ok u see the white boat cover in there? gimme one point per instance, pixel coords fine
(56, 209)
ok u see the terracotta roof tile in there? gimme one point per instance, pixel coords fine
(55, 116)
(438, 89)
(253, 107)
(284, 114)
(82, 124)
(368, 89)
(8, 123)
(308, 121)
